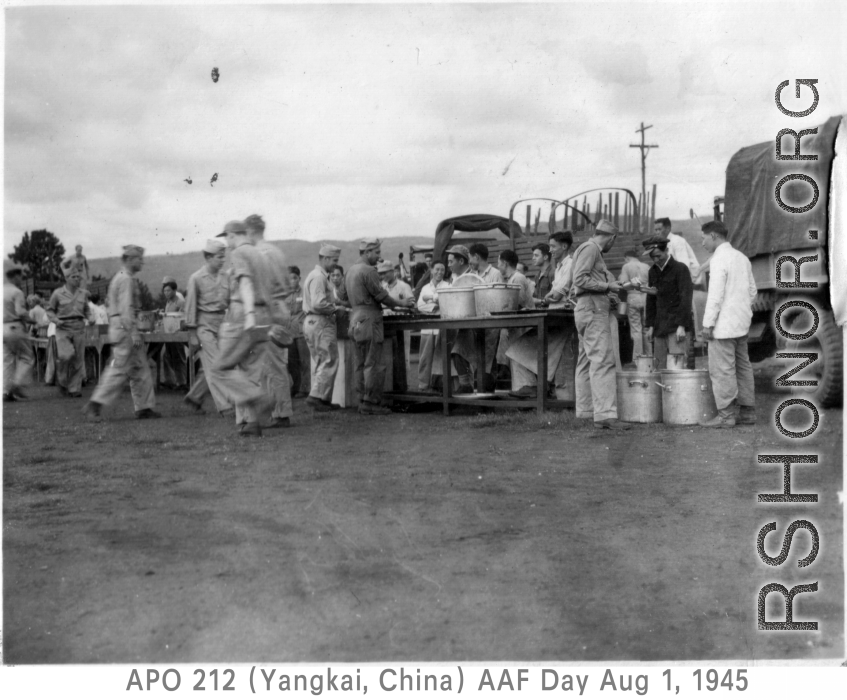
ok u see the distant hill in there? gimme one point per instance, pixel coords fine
(304, 254)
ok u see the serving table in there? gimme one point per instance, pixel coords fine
(540, 319)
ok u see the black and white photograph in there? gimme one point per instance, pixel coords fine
(412, 334)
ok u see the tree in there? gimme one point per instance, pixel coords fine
(42, 253)
(148, 302)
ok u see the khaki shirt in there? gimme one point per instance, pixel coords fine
(124, 299)
(589, 272)
(207, 292)
(317, 293)
(176, 304)
(525, 299)
(67, 308)
(14, 304)
(364, 287)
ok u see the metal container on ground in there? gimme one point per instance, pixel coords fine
(456, 302)
(687, 396)
(496, 297)
(639, 397)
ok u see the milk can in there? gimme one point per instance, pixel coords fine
(687, 396)
(639, 397)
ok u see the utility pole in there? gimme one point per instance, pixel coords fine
(644, 149)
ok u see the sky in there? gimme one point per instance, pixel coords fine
(344, 121)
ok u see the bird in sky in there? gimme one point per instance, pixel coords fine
(213, 180)
(188, 180)
(215, 75)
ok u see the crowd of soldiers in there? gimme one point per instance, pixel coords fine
(241, 319)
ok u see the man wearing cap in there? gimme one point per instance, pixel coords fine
(596, 384)
(320, 329)
(18, 358)
(129, 354)
(68, 309)
(678, 247)
(241, 351)
(634, 271)
(667, 318)
(367, 296)
(682, 252)
(273, 269)
(464, 353)
(205, 305)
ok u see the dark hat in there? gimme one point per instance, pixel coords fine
(460, 250)
(654, 242)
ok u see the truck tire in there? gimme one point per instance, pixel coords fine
(829, 368)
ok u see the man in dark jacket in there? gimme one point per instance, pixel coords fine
(668, 311)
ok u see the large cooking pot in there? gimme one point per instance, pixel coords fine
(687, 396)
(456, 302)
(145, 320)
(171, 321)
(496, 297)
(639, 397)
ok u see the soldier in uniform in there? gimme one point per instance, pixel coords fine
(320, 329)
(18, 358)
(241, 359)
(129, 354)
(205, 306)
(366, 297)
(273, 267)
(68, 309)
(596, 384)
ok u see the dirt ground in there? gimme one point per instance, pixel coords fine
(414, 536)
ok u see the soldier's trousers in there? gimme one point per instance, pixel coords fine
(245, 384)
(208, 327)
(128, 363)
(70, 358)
(370, 371)
(18, 357)
(277, 380)
(596, 384)
(322, 339)
(731, 372)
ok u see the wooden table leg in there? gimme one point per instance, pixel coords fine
(479, 341)
(541, 365)
(446, 372)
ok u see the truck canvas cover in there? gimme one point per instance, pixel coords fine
(757, 225)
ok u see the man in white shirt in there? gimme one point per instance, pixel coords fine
(479, 264)
(399, 291)
(726, 323)
(427, 303)
(560, 246)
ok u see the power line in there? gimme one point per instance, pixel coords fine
(645, 148)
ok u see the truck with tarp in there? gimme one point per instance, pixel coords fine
(766, 233)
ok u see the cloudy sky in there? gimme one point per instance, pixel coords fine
(349, 120)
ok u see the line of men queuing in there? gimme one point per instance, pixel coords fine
(245, 370)
(660, 312)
